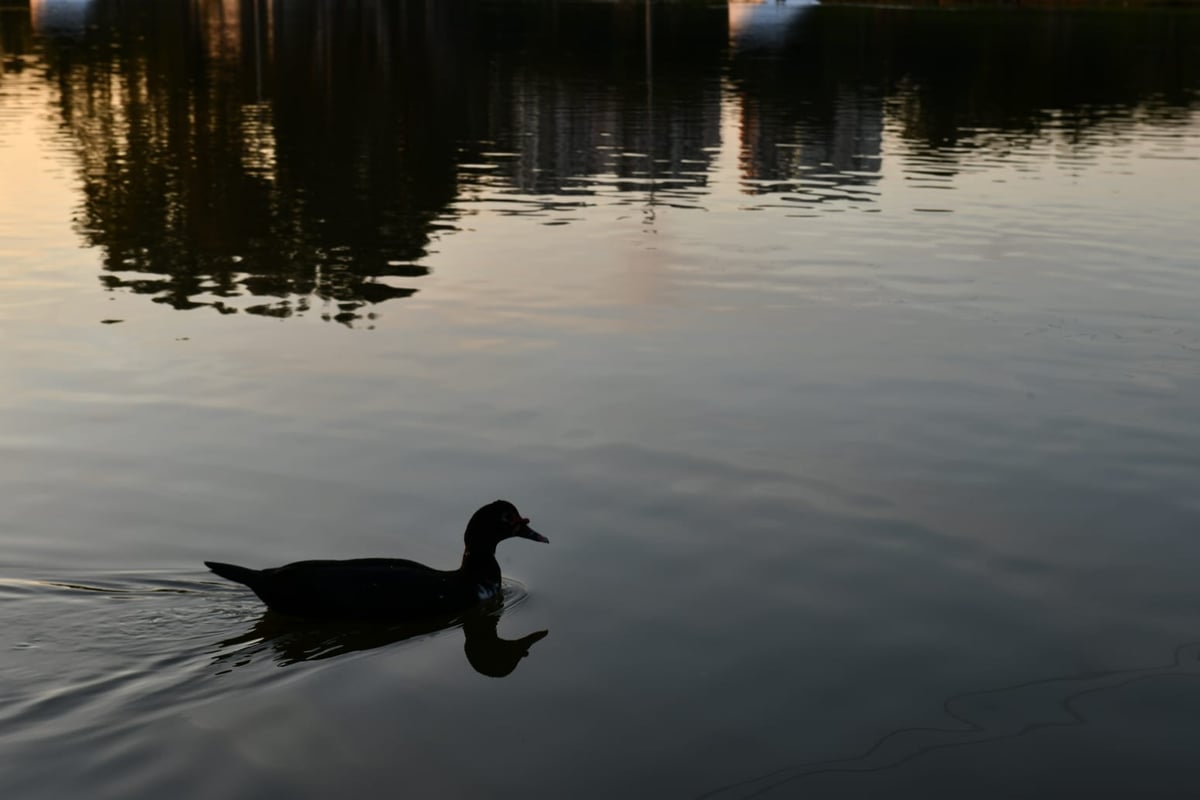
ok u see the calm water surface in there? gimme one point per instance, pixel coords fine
(849, 357)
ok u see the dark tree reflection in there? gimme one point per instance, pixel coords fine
(287, 151)
(826, 79)
(303, 153)
(283, 157)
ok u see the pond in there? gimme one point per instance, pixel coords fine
(849, 357)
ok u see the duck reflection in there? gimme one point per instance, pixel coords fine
(287, 640)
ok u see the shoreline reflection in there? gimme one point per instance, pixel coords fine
(295, 159)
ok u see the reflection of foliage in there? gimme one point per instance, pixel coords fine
(301, 151)
(226, 157)
(276, 157)
(15, 38)
(947, 76)
(572, 87)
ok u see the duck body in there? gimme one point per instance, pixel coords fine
(392, 589)
(360, 588)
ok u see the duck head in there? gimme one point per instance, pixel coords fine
(496, 522)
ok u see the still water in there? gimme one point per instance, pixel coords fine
(849, 357)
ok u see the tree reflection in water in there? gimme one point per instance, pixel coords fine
(285, 158)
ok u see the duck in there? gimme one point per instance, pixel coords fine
(392, 589)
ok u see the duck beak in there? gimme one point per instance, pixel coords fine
(526, 532)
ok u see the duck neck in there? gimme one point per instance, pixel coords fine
(479, 564)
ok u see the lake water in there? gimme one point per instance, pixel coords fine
(849, 357)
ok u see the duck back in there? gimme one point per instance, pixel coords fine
(362, 588)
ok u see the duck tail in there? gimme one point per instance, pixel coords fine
(235, 573)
